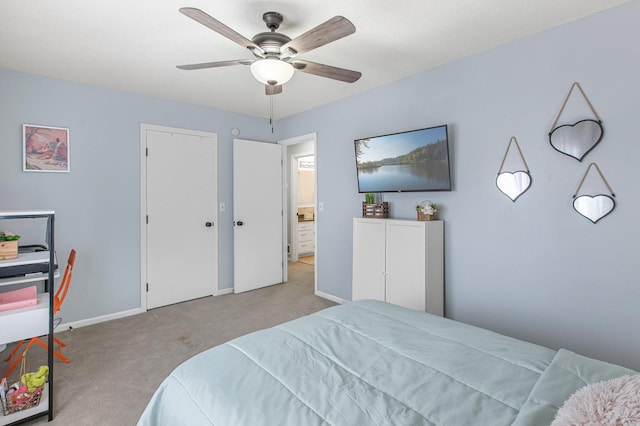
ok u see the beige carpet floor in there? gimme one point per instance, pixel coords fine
(117, 365)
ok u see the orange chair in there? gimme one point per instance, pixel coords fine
(58, 298)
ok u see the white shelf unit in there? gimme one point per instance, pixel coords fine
(24, 323)
(400, 262)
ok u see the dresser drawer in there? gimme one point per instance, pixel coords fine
(306, 226)
(305, 236)
(305, 247)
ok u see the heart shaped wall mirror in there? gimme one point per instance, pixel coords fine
(576, 139)
(593, 207)
(513, 184)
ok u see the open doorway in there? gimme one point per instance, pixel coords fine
(303, 199)
(300, 188)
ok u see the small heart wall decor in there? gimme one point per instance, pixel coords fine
(513, 184)
(578, 139)
(594, 207)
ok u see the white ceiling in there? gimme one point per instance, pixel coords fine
(135, 45)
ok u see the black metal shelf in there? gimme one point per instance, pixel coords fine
(47, 397)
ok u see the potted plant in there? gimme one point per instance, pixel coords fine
(426, 210)
(8, 245)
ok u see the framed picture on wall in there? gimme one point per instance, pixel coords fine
(45, 148)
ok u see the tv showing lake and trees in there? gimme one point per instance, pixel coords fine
(416, 160)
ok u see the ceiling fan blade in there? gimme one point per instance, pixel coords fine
(272, 90)
(214, 64)
(327, 71)
(219, 27)
(332, 30)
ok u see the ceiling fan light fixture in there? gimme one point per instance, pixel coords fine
(272, 71)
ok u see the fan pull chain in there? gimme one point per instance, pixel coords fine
(271, 112)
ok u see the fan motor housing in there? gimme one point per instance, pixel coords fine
(270, 42)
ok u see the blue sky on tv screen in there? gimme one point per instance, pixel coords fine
(391, 146)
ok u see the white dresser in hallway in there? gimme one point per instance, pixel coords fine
(305, 238)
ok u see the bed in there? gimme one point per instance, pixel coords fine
(373, 363)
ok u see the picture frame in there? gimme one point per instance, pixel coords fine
(45, 149)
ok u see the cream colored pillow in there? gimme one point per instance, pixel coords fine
(613, 402)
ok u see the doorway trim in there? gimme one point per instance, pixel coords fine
(289, 215)
(144, 127)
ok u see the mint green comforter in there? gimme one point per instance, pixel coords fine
(372, 363)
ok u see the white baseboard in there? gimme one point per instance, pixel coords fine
(330, 297)
(95, 320)
(222, 291)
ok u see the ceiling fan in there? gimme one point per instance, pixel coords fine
(276, 53)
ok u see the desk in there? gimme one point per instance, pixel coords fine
(24, 323)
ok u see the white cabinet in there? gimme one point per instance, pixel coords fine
(305, 238)
(24, 323)
(369, 281)
(400, 262)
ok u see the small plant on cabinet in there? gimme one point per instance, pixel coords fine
(426, 210)
(370, 198)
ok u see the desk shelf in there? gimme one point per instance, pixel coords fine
(27, 322)
(27, 259)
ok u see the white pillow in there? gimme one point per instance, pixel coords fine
(613, 402)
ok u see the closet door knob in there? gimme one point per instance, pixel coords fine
(208, 224)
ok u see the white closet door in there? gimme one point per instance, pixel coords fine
(182, 228)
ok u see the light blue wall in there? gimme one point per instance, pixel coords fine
(533, 269)
(97, 204)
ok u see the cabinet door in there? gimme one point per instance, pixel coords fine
(368, 259)
(405, 255)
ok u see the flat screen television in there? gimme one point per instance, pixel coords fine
(412, 161)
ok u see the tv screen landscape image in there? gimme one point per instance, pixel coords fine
(412, 161)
